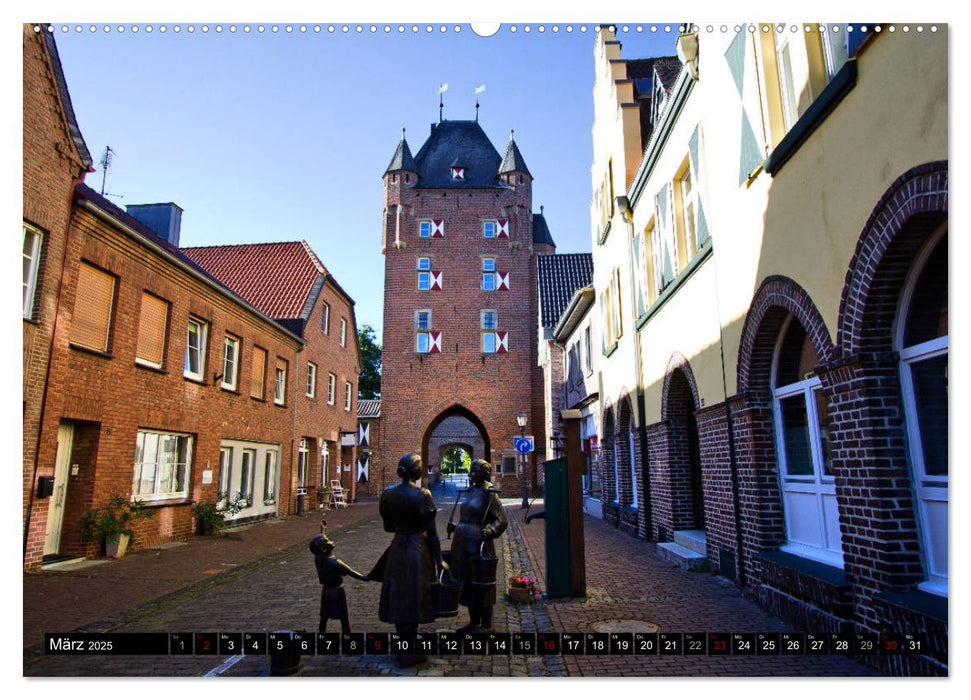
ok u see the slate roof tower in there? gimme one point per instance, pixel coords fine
(460, 308)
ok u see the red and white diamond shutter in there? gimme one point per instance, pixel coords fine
(436, 282)
(502, 280)
(503, 228)
(438, 228)
(436, 341)
(502, 341)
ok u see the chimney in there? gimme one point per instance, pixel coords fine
(164, 219)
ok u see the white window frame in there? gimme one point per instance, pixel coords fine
(271, 461)
(311, 380)
(688, 191)
(832, 40)
(324, 462)
(159, 476)
(787, 87)
(303, 462)
(490, 224)
(202, 334)
(423, 342)
(927, 489)
(247, 476)
(419, 315)
(348, 389)
(488, 274)
(279, 385)
(425, 228)
(230, 379)
(589, 350)
(225, 477)
(343, 340)
(31, 268)
(820, 485)
(325, 318)
(331, 387)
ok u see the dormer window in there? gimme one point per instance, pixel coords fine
(458, 172)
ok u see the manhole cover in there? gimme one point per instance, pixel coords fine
(624, 626)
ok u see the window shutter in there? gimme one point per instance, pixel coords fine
(502, 279)
(503, 228)
(639, 281)
(694, 156)
(436, 280)
(502, 341)
(151, 329)
(257, 372)
(92, 308)
(438, 228)
(664, 228)
(436, 341)
(750, 153)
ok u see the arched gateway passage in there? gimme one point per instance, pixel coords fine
(455, 426)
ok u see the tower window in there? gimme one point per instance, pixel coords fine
(458, 173)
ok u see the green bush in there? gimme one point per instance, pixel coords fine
(113, 519)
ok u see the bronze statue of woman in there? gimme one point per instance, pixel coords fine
(410, 564)
(481, 520)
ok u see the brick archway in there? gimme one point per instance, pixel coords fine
(684, 483)
(432, 448)
(899, 226)
(776, 298)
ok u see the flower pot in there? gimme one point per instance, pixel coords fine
(518, 595)
(115, 545)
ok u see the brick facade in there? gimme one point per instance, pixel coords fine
(108, 397)
(419, 390)
(54, 160)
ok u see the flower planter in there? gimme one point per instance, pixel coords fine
(518, 595)
(115, 545)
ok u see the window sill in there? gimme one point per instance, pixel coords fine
(150, 368)
(838, 88)
(920, 602)
(90, 351)
(827, 573)
(195, 380)
(229, 390)
(703, 254)
(258, 398)
(31, 321)
(612, 349)
(279, 405)
(166, 502)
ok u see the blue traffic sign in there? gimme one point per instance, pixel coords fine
(523, 445)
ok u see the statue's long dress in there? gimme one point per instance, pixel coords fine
(481, 509)
(407, 567)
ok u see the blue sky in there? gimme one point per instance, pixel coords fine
(285, 136)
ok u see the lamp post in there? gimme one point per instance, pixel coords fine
(521, 420)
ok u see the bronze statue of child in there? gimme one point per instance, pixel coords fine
(331, 572)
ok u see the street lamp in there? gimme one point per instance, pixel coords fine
(521, 420)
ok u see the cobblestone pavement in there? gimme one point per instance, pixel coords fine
(263, 580)
(627, 582)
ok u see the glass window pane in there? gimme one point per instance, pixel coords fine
(795, 435)
(927, 315)
(488, 342)
(930, 395)
(823, 415)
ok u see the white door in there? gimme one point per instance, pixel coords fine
(55, 509)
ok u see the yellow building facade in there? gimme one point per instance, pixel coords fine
(774, 389)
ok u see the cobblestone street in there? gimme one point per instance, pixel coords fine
(263, 579)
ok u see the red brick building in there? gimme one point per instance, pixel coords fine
(160, 378)
(55, 159)
(460, 242)
(289, 283)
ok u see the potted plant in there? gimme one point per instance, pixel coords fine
(212, 516)
(523, 589)
(112, 523)
(323, 496)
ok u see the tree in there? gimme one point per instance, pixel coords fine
(369, 381)
(456, 461)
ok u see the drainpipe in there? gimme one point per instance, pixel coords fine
(623, 204)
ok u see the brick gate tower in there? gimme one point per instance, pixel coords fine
(460, 242)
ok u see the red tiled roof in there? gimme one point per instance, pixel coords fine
(276, 278)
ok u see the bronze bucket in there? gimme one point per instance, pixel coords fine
(483, 568)
(445, 596)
